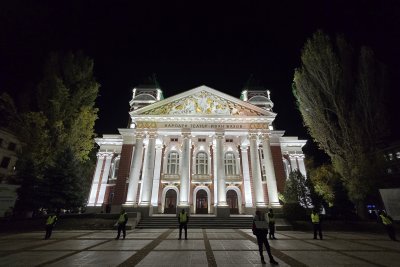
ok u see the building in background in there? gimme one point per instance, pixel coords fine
(202, 150)
(9, 145)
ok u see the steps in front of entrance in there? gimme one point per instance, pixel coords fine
(207, 221)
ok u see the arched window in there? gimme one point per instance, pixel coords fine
(201, 163)
(173, 163)
(230, 164)
(114, 168)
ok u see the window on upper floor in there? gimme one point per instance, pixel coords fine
(5, 162)
(230, 164)
(173, 163)
(12, 146)
(201, 163)
(174, 139)
(229, 140)
(201, 140)
(114, 168)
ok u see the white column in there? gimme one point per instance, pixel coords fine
(215, 168)
(185, 171)
(147, 182)
(104, 180)
(270, 172)
(219, 147)
(256, 173)
(293, 163)
(96, 178)
(302, 167)
(136, 165)
(246, 177)
(156, 180)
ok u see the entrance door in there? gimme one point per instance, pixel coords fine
(201, 202)
(232, 200)
(170, 202)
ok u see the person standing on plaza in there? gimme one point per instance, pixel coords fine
(388, 223)
(50, 223)
(271, 224)
(122, 220)
(316, 221)
(260, 230)
(183, 219)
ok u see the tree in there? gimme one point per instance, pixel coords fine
(296, 189)
(61, 119)
(340, 97)
(63, 185)
(324, 179)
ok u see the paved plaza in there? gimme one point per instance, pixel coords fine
(204, 247)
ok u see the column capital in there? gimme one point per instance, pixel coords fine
(105, 154)
(252, 136)
(219, 135)
(152, 135)
(264, 137)
(244, 147)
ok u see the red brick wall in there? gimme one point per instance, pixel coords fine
(123, 174)
(278, 166)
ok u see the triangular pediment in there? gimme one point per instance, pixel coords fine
(204, 101)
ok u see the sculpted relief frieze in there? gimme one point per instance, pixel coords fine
(202, 103)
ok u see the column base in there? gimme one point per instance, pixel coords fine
(223, 212)
(144, 211)
(275, 205)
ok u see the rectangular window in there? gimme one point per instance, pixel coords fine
(12, 146)
(201, 140)
(5, 162)
(174, 139)
(229, 140)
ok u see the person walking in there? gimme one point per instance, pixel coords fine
(50, 223)
(387, 221)
(271, 224)
(122, 220)
(260, 230)
(315, 219)
(183, 219)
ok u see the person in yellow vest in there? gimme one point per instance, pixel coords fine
(271, 224)
(388, 223)
(122, 220)
(50, 223)
(260, 230)
(183, 219)
(316, 221)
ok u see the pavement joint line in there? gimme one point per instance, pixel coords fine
(209, 252)
(142, 253)
(339, 251)
(275, 252)
(73, 253)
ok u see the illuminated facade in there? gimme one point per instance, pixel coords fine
(201, 149)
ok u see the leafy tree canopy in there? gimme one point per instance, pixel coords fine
(340, 94)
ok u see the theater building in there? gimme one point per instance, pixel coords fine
(202, 150)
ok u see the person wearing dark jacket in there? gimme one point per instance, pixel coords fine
(122, 220)
(260, 230)
(271, 224)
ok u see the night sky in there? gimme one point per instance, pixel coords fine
(188, 44)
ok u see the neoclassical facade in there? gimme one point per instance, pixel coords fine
(202, 150)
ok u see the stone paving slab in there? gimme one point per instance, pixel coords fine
(149, 230)
(70, 245)
(190, 235)
(325, 258)
(31, 258)
(102, 235)
(305, 236)
(224, 236)
(294, 245)
(175, 258)
(119, 245)
(342, 235)
(141, 235)
(181, 245)
(382, 258)
(6, 245)
(242, 258)
(389, 244)
(343, 245)
(233, 245)
(94, 258)
(196, 230)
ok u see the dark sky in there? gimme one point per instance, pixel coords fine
(187, 44)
